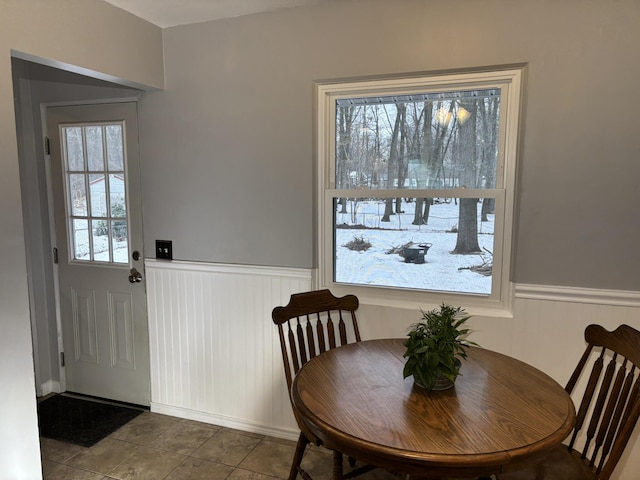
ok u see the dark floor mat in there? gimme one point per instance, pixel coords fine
(80, 421)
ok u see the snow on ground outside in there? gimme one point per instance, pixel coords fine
(441, 270)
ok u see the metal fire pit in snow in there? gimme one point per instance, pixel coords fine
(416, 253)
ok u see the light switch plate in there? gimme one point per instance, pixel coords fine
(164, 249)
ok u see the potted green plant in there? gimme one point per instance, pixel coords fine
(436, 346)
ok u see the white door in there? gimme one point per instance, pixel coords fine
(98, 222)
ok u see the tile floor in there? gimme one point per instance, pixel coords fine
(160, 447)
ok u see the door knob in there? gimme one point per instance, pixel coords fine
(135, 276)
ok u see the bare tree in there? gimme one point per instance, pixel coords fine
(346, 115)
(393, 160)
(403, 149)
(437, 134)
(467, 240)
(488, 111)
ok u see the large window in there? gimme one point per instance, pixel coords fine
(416, 187)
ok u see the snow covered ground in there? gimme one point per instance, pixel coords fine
(441, 271)
(100, 248)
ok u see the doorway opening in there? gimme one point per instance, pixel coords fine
(36, 86)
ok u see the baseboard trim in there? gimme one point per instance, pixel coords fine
(620, 298)
(50, 386)
(223, 421)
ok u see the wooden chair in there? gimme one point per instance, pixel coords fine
(312, 323)
(607, 414)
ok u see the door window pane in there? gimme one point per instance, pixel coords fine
(117, 196)
(115, 154)
(80, 234)
(95, 150)
(104, 211)
(97, 188)
(75, 156)
(100, 240)
(78, 193)
(120, 241)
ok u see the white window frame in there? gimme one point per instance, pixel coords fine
(510, 81)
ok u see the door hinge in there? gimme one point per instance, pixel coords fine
(62, 364)
(47, 146)
(55, 255)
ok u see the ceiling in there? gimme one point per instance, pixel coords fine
(168, 13)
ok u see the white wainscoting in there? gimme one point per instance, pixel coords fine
(215, 354)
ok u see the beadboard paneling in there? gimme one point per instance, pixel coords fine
(215, 353)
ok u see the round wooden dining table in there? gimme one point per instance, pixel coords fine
(501, 415)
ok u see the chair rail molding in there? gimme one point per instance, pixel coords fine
(619, 298)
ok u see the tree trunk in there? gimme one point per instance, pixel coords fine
(417, 214)
(393, 161)
(427, 207)
(403, 166)
(388, 210)
(488, 206)
(421, 214)
(488, 113)
(467, 241)
(343, 152)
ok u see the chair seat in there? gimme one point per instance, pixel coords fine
(561, 464)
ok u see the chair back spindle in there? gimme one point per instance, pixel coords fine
(611, 399)
(312, 323)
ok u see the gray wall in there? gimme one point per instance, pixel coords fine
(81, 36)
(227, 151)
